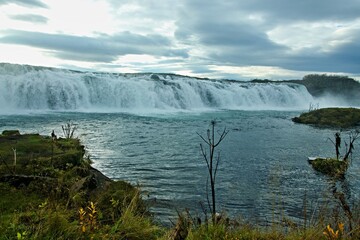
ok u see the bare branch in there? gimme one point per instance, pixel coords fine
(207, 142)
(69, 129)
(208, 135)
(331, 141)
(209, 159)
(353, 136)
(72, 131)
(207, 192)
(217, 164)
(222, 136)
(204, 155)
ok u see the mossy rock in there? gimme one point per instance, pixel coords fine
(10, 133)
(331, 117)
(330, 166)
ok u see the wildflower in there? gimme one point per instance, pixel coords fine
(341, 227)
(82, 214)
(331, 234)
(88, 218)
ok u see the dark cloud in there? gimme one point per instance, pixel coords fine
(109, 65)
(229, 40)
(75, 68)
(235, 33)
(25, 3)
(212, 32)
(84, 56)
(30, 18)
(275, 11)
(235, 42)
(105, 48)
(349, 54)
(344, 58)
(171, 61)
(304, 10)
(201, 69)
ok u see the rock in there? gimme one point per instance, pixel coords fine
(154, 77)
(11, 133)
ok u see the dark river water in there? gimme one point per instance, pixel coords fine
(263, 171)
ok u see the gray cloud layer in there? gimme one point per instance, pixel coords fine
(104, 48)
(26, 3)
(30, 18)
(308, 10)
(211, 32)
(229, 35)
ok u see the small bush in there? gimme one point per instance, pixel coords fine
(331, 167)
(133, 225)
(117, 197)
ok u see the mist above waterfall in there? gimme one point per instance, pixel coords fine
(25, 88)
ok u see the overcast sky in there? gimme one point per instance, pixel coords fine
(236, 39)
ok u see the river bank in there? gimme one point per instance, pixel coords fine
(49, 190)
(52, 192)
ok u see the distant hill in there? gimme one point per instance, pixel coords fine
(319, 85)
(331, 117)
(327, 85)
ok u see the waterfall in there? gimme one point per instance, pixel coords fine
(24, 87)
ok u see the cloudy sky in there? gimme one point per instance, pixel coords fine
(237, 39)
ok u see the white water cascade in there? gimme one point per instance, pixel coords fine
(24, 88)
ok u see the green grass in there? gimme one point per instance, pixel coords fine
(330, 166)
(61, 182)
(331, 117)
(32, 146)
(64, 182)
(224, 230)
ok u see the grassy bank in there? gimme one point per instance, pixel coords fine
(331, 117)
(51, 192)
(48, 190)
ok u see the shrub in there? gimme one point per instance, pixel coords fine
(330, 166)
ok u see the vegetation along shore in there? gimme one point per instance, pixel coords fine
(331, 117)
(49, 190)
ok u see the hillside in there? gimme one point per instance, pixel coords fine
(335, 86)
(343, 86)
(49, 191)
